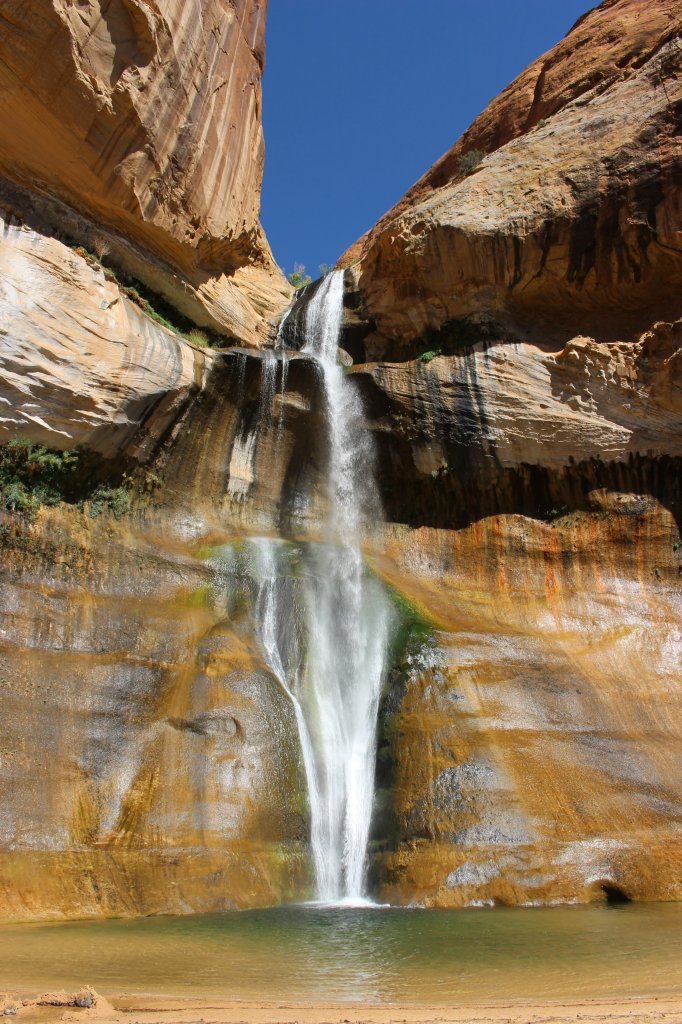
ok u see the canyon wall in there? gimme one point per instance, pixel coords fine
(514, 325)
(81, 365)
(582, 238)
(134, 129)
(518, 314)
(151, 763)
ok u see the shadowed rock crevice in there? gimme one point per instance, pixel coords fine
(613, 894)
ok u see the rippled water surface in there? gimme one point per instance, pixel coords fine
(373, 955)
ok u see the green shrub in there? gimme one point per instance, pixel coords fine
(108, 499)
(32, 475)
(426, 357)
(298, 276)
(18, 499)
(468, 162)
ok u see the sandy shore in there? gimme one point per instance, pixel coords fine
(142, 1010)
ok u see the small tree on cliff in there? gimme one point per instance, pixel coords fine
(298, 276)
(468, 162)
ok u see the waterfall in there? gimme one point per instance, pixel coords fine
(282, 393)
(242, 468)
(351, 491)
(324, 623)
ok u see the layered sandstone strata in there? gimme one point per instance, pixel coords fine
(145, 119)
(529, 735)
(510, 427)
(519, 336)
(80, 364)
(151, 763)
(570, 224)
(519, 320)
(530, 751)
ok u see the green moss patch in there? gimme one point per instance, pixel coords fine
(201, 597)
(412, 632)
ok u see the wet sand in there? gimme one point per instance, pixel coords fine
(157, 1010)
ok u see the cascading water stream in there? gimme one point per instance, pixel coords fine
(324, 624)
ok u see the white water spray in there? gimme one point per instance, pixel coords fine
(324, 625)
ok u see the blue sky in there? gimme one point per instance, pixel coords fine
(362, 96)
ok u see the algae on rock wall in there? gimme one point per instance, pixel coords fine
(159, 750)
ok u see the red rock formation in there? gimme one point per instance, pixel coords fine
(572, 222)
(151, 765)
(535, 746)
(133, 128)
(605, 44)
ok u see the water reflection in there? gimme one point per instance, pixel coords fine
(381, 955)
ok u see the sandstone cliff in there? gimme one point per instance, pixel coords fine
(136, 127)
(151, 764)
(516, 335)
(130, 173)
(80, 364)
(518, 313)
(584, 235)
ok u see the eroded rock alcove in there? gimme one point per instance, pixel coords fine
(514, 327)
